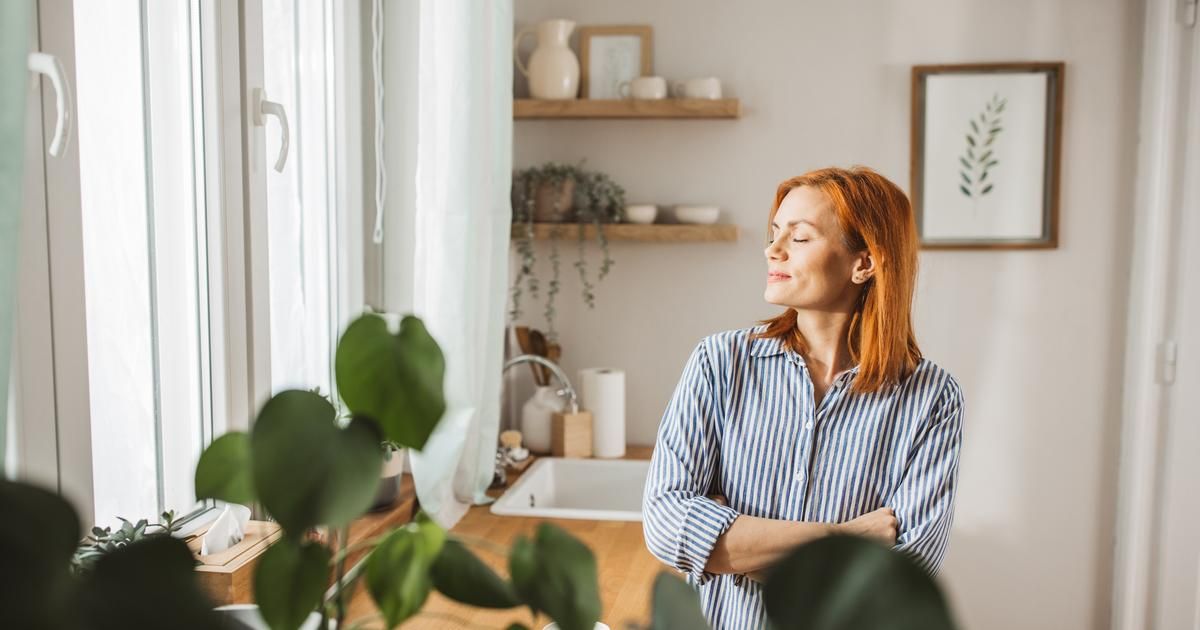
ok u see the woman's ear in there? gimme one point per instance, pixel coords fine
(864, 268)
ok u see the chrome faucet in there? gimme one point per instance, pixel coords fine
(567, 389)
(503, 455)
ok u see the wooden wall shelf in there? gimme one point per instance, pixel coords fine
(526, 108)
(659, 232)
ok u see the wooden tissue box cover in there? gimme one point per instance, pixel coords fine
(228, 577)
(571, 434)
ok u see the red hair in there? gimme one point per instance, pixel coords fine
(874, 216)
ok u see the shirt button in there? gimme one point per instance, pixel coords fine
(799, 475)
(808, 425)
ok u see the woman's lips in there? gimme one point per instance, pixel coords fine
(777, 277)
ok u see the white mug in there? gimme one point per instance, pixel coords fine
(646, 88)
(707, 87)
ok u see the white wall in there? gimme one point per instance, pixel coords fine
(1035, 338)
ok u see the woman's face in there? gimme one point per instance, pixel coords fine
(808, 265)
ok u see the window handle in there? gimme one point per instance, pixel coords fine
(264, 108)
(49, 65)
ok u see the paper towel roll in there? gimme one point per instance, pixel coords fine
(602, 392)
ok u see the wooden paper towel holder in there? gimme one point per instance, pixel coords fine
(571, 434)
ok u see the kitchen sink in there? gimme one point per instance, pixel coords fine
(591, 489)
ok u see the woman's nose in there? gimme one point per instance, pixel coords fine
(773, 251)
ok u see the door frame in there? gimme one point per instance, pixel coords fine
(1167, 44)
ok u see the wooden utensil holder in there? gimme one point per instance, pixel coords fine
(571, 434)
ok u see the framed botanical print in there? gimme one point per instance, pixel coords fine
(986, 149)
(610, 55)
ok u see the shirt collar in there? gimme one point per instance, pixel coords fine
(767, 346)
(771, 346)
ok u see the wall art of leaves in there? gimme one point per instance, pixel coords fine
(979, 158)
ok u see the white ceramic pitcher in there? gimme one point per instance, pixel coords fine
(536, 416)
(553, 70)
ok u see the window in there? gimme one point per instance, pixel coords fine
(204, 279)
(145, 251)
(297, 72)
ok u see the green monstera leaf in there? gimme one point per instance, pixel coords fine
(557, 574)
(461, 576)
(36, 542)
(290, 581)
(848, 582)
(398, 569)
(395, 380)
(307, 470)
(223, 471)
(676, 605)
(146, 584)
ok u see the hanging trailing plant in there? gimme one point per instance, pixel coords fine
(561, 194)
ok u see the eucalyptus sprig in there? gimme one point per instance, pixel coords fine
(978, 158)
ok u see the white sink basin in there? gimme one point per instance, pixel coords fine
(592, 489)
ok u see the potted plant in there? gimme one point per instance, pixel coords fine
(561, 194)
(389, 477)
(104, 540)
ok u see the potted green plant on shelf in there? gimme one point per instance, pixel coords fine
(104, 540)
(389, 479)
(392, 385)
(561, 194)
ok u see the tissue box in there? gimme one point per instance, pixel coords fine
(228, 576)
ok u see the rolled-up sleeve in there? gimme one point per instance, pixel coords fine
(680, 523)
(924, 499)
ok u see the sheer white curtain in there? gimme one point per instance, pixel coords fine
(448, 115)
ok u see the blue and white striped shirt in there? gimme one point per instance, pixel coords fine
(742, 423)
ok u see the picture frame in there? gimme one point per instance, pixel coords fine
(609, 55)
(986, 154)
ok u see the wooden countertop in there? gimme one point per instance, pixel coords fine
(626, 570)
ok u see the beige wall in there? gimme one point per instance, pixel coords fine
(1034, 337)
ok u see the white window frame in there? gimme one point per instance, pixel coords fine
(53, 419)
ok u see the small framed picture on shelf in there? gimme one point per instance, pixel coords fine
(609, 55)
(986, 148)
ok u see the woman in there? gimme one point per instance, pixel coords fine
(824, 419)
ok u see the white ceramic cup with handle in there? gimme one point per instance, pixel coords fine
(704, 87)
(643, 88)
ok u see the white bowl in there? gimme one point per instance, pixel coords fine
(641, 213)
(697, 214)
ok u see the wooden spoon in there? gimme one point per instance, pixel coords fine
(526, 343)
(539, 348)
(553, 352)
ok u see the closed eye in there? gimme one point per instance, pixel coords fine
(799, 240)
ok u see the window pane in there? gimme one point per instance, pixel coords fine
(297, 70)
(145, 257)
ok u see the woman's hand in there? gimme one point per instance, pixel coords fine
(880, 525)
